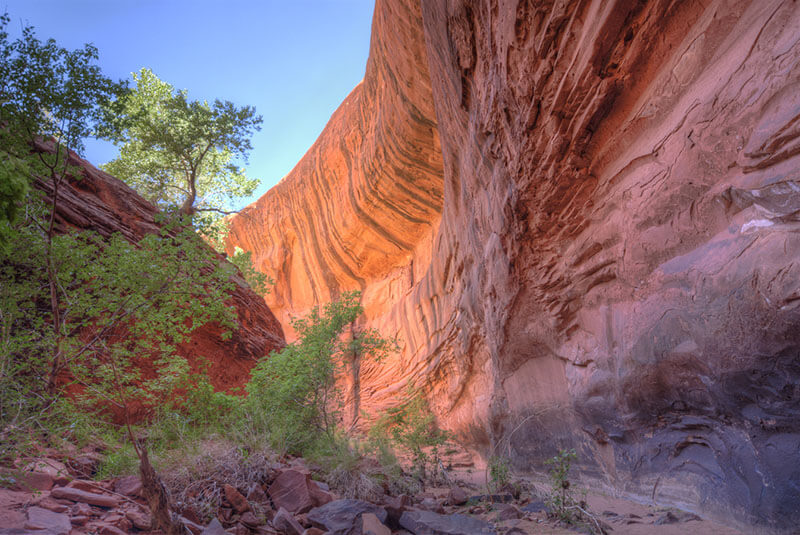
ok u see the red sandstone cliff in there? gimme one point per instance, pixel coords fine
(581, 221)
(104, 204)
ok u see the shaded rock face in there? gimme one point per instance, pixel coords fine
(104, 204)
(580, 219)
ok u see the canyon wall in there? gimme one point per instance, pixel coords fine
(580, 219)
(101, 203)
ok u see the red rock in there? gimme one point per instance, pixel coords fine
(51, 504)
(86, 485)
(285, 523)
(129, 486)
(50, 522)
(77, 495)
(313, 531)
(214, 528)
(29, 481)
(319, 496)
(235, 498)
(291, 491)
(578, 218)
(256, 494)
(507, 512)
(371, 525)
(48, 466)
(82, 509)
(140, 519)
(456, 496)
(250, 520)
(108, 529)
(79, 520)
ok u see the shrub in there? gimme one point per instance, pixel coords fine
(560, 500)
(293, 394)
(412, 427)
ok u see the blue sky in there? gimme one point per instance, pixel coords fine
(294, 60)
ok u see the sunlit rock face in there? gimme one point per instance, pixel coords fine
(580, 219)
(103, 204)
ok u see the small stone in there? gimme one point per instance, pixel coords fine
(139, 519)
(456, 496)
(76, 495)
(313, 531)
(250, 520)
(79, 520)
(214, 528)
(52, 523)
(256, 494)
(286, 524)
(51, 504)
(82, 509)
(431, 504)
(235, 498)
(507, 512)
(370, 525)
(129, 486)
(108, 529)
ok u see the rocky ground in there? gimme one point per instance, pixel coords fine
(50, 497)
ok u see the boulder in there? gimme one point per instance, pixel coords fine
(429, 523)
(456, 496)
(291, 490)
(342, 517)
(371, 525)
(286, 523)
(90, 498)
(49, 522)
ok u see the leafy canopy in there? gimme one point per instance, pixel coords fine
(47, 93)
(178, 152)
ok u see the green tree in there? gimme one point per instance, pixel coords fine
(178, 152)
(50, 100)
(293, 392)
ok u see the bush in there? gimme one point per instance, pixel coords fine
(293, 394)
(412, 427)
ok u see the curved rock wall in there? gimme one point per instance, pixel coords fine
(603, 253)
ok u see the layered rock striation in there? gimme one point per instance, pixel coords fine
(101, 203)
(581, 220)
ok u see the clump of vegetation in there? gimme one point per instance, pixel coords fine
(561, 500)
(411, 426)
(499, 472)
(293, 395)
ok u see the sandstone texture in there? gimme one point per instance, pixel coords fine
(580, 219)
(99, 202)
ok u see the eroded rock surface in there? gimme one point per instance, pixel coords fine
(580, 219)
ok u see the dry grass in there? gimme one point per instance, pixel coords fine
(195, 478)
